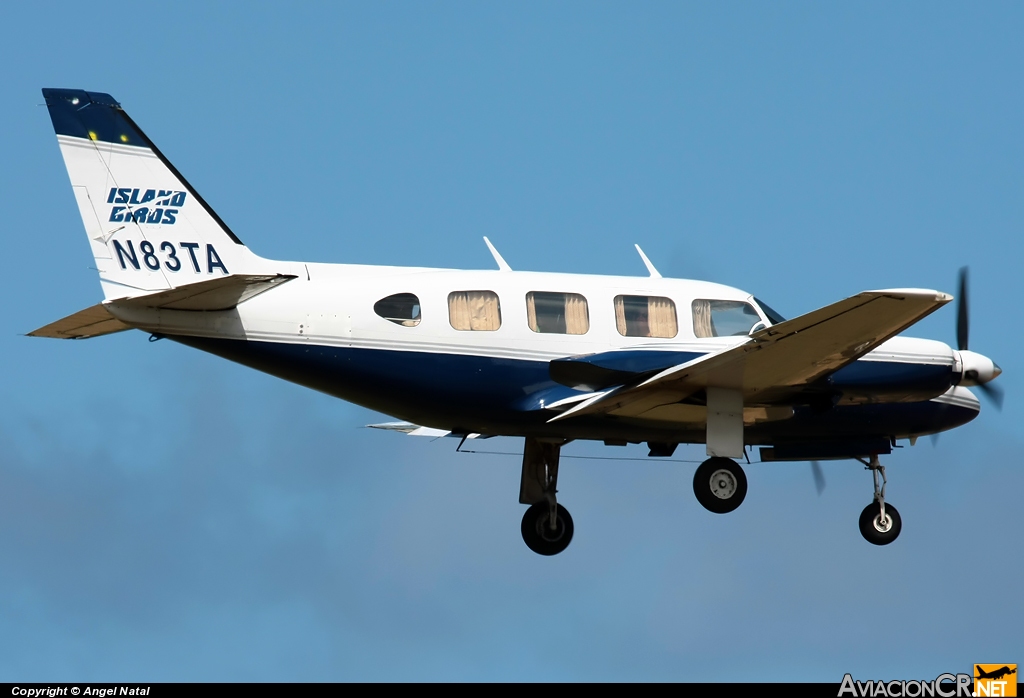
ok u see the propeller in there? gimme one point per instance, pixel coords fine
(962, 321)
(819, 477)
(993, 393)
(978, 370)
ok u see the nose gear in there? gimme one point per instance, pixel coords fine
(880, 523)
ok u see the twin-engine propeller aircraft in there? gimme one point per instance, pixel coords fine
(547, 357)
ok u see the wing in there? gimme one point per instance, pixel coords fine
(778, 361)
(411, 429)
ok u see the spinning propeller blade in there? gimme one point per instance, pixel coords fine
(819, 477)
(962, 320)
(992, 392)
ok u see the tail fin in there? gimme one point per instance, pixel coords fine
(148, 228)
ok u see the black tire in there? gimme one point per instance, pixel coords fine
(537, 533)
(720, 485)
(874, 530)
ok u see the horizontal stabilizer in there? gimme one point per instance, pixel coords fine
(216, 294)
(91, 322)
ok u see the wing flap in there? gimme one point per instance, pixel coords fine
(780, 359)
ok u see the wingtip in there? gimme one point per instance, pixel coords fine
(939, 296)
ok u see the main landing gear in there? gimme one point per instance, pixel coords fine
(880, 523)
(547, 530)
(720, 485)
(547, 527)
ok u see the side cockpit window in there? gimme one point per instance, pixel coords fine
(401, 308)
(474, 310)
(773, 317)
(723, 318)
(557, 313)
(645, 316)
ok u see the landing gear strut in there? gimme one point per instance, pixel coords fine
(880, 523)
(720, 485)
(547, 527)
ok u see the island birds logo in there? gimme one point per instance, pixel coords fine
(150, 206)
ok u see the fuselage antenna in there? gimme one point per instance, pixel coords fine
(502, 264)
(655, 274)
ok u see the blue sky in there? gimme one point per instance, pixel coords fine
(166, 515)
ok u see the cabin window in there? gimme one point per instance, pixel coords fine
(645, 316)
(723, 318)
(557, 313)
(401, 308)
(474, 310)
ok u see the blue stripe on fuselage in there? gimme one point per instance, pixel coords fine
(506, 396)
(605, 369)
(421, 387)
(634, 360)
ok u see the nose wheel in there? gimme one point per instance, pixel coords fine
(720, 485)
(878, 527)
(880, 523)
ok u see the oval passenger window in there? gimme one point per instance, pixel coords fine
(401, 308)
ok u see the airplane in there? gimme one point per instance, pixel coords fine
(546, 357)
(995, 674)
